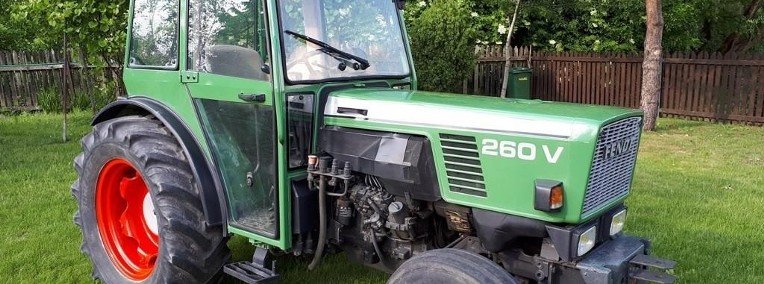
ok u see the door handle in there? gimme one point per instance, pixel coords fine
(253, 98)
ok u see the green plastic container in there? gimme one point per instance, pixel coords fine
(519, 83)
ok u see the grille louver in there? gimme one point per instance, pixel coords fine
(610, 176)
(463, 168)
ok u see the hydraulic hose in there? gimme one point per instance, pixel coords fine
(375, 208)
(322, 223)
(376, 246)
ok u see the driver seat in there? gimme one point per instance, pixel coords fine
(236, 61)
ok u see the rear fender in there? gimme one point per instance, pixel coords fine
(213, 197)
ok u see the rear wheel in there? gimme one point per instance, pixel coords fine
(450, 266)
(139, 207)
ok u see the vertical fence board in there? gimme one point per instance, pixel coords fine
(587, 79)
(719, 90)
(3, 100)
(630, 82)
(621, 90)
(666, 87)
(706, 73)
(691, 85)
(760, 94)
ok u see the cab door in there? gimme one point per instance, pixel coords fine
(227, 75)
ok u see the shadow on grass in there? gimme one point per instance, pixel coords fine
(334, 268)
(667, 125)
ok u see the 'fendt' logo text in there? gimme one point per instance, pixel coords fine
(617, 148)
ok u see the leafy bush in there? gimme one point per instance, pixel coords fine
(81, 101)
(443, 44)
(105, 94)
(49, 100)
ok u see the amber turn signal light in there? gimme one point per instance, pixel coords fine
(556, 197)
(549, 195)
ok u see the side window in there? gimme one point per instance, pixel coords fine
(227, 38)
(299, 128)
(154, 37)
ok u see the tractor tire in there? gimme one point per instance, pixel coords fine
(450, 266)
(140, 208)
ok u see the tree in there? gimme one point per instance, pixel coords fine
(508, 52)
(581, 25)
(652, 64)
(619, 26)
(16, 33)
(752, 32)
(97, 26)
(442, 42)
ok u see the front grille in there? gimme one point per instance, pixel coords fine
(613, 163)
(463, 168)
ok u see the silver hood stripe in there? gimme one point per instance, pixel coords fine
(444, 116)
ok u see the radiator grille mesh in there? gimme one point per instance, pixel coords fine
(613, 164)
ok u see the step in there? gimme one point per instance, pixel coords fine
(251, 273)
(653, 277)
(654, 262)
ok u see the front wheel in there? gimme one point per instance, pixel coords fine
(139, 207)
(450, 266)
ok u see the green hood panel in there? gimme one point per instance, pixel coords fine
(488, 151)
(535, 109)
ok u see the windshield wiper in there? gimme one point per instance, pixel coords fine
(334, 52)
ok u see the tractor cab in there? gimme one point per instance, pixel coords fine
(256, 71)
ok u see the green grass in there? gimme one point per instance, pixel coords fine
(698, 193)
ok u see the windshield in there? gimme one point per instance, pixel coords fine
(336, 39)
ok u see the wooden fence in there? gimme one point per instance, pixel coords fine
(23, 76)
(726, 87)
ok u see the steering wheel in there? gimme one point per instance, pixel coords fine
(313, 69)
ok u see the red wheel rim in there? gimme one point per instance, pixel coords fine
(126, 219)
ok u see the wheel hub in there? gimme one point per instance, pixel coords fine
(148, 214)
(126, 219)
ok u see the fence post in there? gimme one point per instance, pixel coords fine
(66, 84)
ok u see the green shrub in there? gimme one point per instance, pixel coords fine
(105, 94)
(81, 101)
(101, 97)
(443, 45)
(49, 100)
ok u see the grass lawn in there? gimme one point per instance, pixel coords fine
(698, 193)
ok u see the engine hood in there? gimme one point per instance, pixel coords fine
(490, 153)
(474, 113)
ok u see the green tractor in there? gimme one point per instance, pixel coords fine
(297, 124)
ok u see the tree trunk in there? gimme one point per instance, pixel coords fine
(652, 65)
(88, 74)
(508, 52)
(115, 73)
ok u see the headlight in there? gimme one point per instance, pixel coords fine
(619, 219)
(587, 240)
